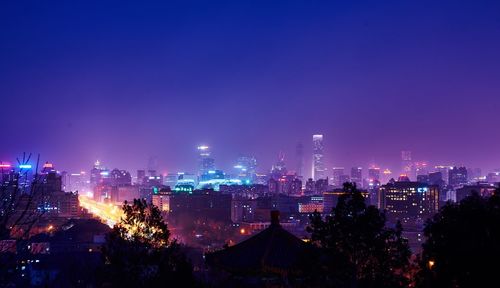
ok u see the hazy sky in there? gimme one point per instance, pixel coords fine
(121, 81)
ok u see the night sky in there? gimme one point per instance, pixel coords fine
(121, 81)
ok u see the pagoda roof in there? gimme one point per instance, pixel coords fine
(273, 250)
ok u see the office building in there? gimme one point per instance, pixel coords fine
(318, 163)
(337, 177)
(357, 176)
(205, 161)
(374, 173)
(411, 203)
(457, 176)
(406, 163)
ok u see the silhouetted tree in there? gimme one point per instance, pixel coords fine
(359, 250)
(20, 195)
(19, 200)
(139, 253)
(463, 244)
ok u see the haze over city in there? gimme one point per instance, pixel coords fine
(121, 82)
(287, 144)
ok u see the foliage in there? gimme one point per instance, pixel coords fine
(360, 251)
(462, 247)
(139, 253)
(18, 213)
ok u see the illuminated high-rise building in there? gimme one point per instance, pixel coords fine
(205, 161)
(318, 164)
(279, 169)
(493, 177)
(120, 178)
(170, 180)
(77, 182)
(386, 175)
(421, 168)
(47, 168)
(412, 203)
(337, 173)
(444, 169)
(357, 176)
(97, 173)
(246, 167)
(475, 174)
(406, 163)
(141, 176)
(374, 173)
(457, 176)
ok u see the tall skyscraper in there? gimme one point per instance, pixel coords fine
(246, 167)
(406, 164)
(97, 173)
(299, 153)
(318, 165)
(279, 169)
(374, 173)
(357, 176)
(205, 161)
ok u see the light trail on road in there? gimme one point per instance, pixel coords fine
(108, 213)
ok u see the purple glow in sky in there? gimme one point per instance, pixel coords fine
(121, 81)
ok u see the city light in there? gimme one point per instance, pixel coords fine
(202, 144)
(107, 213)
(48, 165)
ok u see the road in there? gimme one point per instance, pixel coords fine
(108, 213)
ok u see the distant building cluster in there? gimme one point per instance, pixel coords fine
(243, 197)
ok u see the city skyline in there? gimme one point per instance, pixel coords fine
(249, 143)
(205, 163)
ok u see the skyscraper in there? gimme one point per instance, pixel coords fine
(421, 168)
(444, 169)
(205, 162)
(246, 168)
(337, 173)
(457, 176)
(374, 173)
(279, 169)
(318, 165)
(97, 173)
(299, 153)
(406, 164)
(357, 176)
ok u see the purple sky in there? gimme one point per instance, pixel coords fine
(122, 81)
